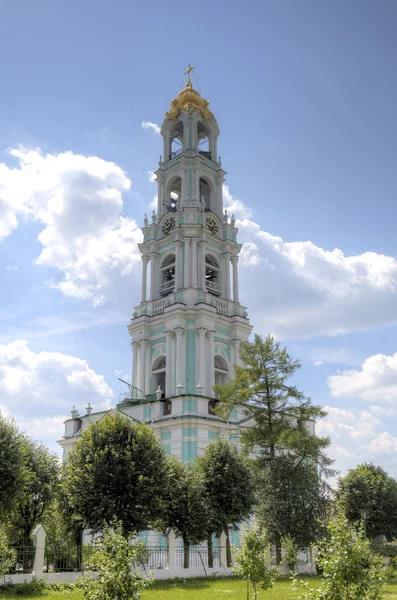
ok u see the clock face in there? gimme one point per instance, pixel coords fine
(168, 225)
(212, 225)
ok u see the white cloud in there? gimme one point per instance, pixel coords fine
(11, 268)
(308, 291)
(152, 176)
(48, 384)
(383, 444)
(234, 206)
(376, 381)
(153, 126)
(78, 200)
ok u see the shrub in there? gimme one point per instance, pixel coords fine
(350, 569)
(253, 560)
(7, 555)
(290, 551)
(116, 562)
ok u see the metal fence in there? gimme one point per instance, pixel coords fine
(24, 560)
(198, 556)
(60, 560)
(157, 557)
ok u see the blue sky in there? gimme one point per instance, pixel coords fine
(305, 96)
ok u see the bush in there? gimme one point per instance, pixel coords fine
(115, 562)
(27, 588)
(7, 555)
(253, 558)
(350, 569)
(290, 552)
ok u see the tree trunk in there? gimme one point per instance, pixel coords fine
(277, 543)
(228, 548)
(186, 548)
(78, 538)
(210, 552)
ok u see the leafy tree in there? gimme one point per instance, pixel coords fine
(292, 501)
(277, 410)
(11, 465)
(369, 488)
(8, 556)
(117, 469)
(290, 553)
(116, 563)
(40, 482)
(350, 571)
(229, 487)
(185, 508)
(261, 389)
(253, 560)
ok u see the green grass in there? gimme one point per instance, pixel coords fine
(205, 589)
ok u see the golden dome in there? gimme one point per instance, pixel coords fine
(189, 99)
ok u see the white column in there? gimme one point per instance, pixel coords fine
(187, 263)
(178, 265)
(148, 369)
(202, 378)
(142, 369)
(202, 267)
(134, 363)
(211, 364)
(145, 260)
(236, 355)
(226, 276)
(179, 356)
(39, 535)
(171, 549)
(152, 276)
(168, 365)
(194, 262)
(235, 278)
(140, 382)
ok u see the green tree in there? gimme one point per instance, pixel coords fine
(277, 412)
(369, 488)
(253, 560)
(185, 507)
(292, 501)
(40, 483)
(229, 488)
(8, 556)
(117, 565)
(261, 389)
(350, 571)
(11, 465)
(117, 469)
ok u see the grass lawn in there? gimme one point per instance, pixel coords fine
(205, 589)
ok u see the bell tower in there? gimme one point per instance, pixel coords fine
(188, 327)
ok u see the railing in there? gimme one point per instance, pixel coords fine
(60, 560)
(24, 560)
(167, 287)
(213, 287)
(221, 306)
(198, 556)
(158, 306)
(157, 557)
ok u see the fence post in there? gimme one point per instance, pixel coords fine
(171, 549)
(39, 535)
(223, 549)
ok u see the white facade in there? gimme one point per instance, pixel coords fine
(188, 327)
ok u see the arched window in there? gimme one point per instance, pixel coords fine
(212, 405)
(173, 194)
(158, 373)
(176, 140)
(221, 370)
(212, 275)
(167, 408)
(167, 270)
(203, 140)
(205, 193)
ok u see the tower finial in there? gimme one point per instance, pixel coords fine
(188, 71)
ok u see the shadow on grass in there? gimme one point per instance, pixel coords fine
(190, 583)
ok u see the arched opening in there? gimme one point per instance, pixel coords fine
(221, 370)
(212, 404)
(173, 194)
(203, 140)
(158, 374)
(176, 140)
(212, 275)
(167, 270)
(205, 193)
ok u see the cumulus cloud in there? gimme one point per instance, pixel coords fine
(47, 381)
(152, 126)
(376, 381)
(307, 290)
(78, 200)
